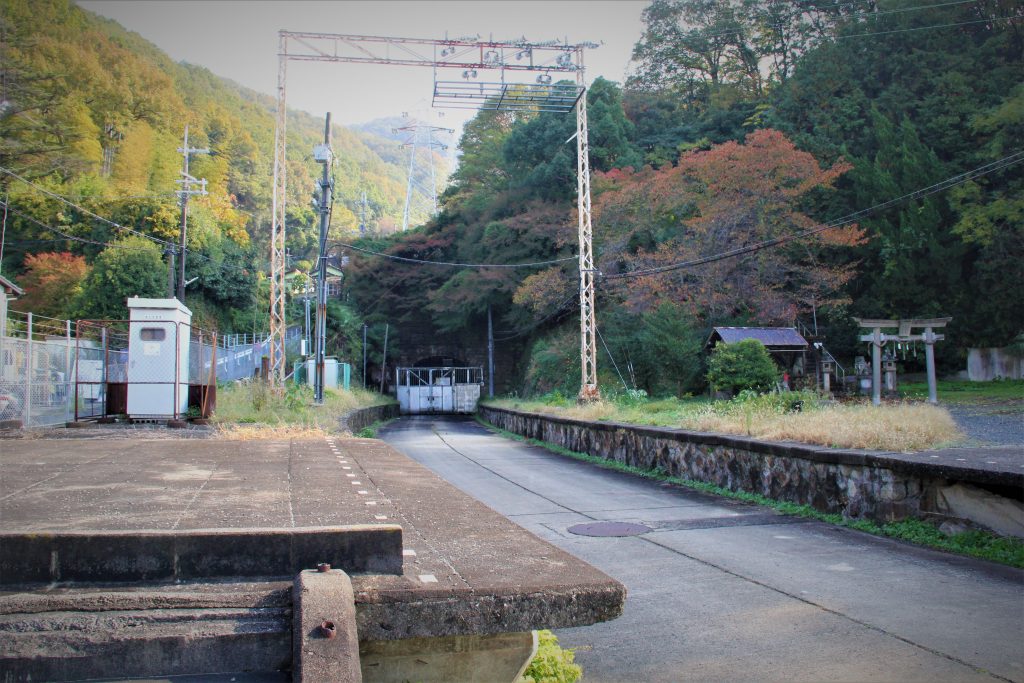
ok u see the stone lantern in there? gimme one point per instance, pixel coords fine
(828, 367)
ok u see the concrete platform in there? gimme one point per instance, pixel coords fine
(467, 570)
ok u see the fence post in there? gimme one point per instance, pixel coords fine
(27, 413)
(106, 364)
(67, 370)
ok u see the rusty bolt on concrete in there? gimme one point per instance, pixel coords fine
(328, 629)
(323, 567)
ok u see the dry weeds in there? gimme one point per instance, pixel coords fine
(890, 427)
(247, 412)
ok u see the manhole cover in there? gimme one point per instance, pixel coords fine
(609, 529)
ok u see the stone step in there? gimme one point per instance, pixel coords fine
(143, 644)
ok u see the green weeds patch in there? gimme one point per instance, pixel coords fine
(552, 663)
(966, 393)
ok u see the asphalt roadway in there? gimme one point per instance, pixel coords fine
(725, 591)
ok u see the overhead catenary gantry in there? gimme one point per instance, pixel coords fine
(468, 55)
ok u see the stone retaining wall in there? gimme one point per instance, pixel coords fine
(364, 417)
(858, 484)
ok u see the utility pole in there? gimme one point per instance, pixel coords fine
(362, 214)
(364, 355)
(490, 354)
(322, 153)
(384, 358)
(3, 232)
(185, 192)
(169, 251)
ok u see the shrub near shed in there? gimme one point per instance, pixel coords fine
(742, 365)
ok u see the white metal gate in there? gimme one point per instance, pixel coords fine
(438, 390)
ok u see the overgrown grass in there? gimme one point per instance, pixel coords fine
(964, 392)
(796, 416)
(552, 663)
(255, 411)
(370, 431)
(980, 544)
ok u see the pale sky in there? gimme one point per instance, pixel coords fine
(238, 40)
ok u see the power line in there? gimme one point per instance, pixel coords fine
(449, 264)
(609, 352)
(114, 245)
(67, 236)
(848, 19)
(940, 186)
(922, 28)
(558, 311)
(84, 210)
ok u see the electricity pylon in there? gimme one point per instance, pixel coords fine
(421, 137)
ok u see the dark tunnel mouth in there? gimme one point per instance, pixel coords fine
(440, 362)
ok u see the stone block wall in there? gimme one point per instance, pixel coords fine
(856, 484)
(364, 417)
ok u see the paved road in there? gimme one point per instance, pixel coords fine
(723, 591)
(1001, 424)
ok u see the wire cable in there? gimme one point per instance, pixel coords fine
(113, 245)
(848, 19)
(940, 186)
(67, 236)
(608, 351)
(84, 210)
(558, 311)
(450, 264)
(922, 28)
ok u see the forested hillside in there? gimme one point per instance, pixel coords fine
(94, 113)
(744, 126)
(743, 122)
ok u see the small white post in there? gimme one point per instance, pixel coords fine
(27, 413)
(929, 361)
(876, 367)
(68, 394)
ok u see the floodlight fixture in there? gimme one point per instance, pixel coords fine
(544, 79)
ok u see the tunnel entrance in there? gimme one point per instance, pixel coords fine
(439, 389)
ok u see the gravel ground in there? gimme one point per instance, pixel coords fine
(1001, 425)
(114, 431)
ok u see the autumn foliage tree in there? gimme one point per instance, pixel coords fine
(732, 196)
(51, 282)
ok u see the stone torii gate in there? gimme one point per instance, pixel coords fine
(904, 328)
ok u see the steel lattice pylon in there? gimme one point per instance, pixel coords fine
(415, 143)
(469, 55)
(278, 264)
(588, 322)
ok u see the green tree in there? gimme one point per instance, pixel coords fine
(544, 165)
(132, 266)
(742, 365)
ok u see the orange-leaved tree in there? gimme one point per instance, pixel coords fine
(732, 196)
(51, 282)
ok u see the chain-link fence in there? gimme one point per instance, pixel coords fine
(239, 356)
(158, 369)
(55, 371)
(36, 363)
